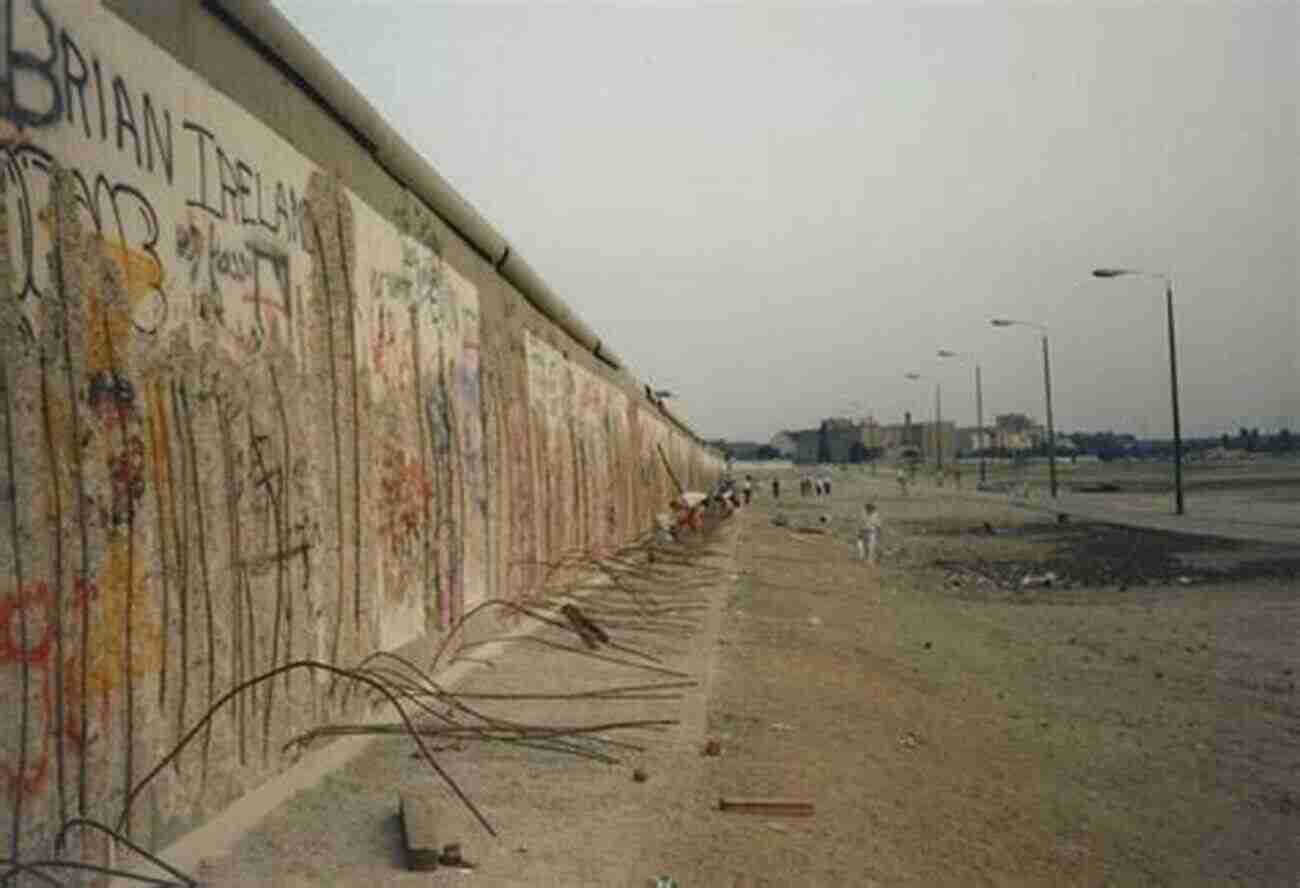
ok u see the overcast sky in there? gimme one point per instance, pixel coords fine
(777, 212)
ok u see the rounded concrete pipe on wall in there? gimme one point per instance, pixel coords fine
(261, 20)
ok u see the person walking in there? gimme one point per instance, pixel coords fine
(902, 480)
(748, 488)
(869, 535)
(776, 488)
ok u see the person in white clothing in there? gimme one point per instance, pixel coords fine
(869, 536)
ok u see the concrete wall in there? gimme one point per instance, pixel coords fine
(258, 404)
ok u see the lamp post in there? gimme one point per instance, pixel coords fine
(979, 404)
(1173, 369)
(1047, 386)
(938, 420)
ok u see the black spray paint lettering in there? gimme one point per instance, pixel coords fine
(229, 188)
(119, 213)
(47, 79)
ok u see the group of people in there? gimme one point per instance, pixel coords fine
(688, 508)
(815, 485)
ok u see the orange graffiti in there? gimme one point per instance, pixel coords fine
(407, 491)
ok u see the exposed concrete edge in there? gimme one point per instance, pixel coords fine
(217, 835)
(263, 25)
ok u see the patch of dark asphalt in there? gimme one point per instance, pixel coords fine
(1089, 554)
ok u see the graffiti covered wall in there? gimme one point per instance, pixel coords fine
(248, 417)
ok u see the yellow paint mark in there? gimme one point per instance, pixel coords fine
(106, 672)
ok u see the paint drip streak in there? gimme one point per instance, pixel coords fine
(20, 788)
(334, 422)
(203, 567)
(56, 528)
(356, 421)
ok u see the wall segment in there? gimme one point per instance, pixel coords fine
(258, 403)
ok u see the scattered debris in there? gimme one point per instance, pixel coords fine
(665, 882)
(1185, 581)
(417, 815)
(782, 726)
(814, 621)
(910, 741)
(451, 858)
(591, 634)
(1034, 581)
(780, 520)
(639, 775)
(928, 645)
(769, 806)
(712, 748)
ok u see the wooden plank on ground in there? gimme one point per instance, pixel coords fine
(418, 836)
(769, 806)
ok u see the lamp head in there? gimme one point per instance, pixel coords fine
(1002, 322)
(912, 376)
(1110, 272)
(945, 353)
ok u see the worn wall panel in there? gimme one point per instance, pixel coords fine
(258, 404)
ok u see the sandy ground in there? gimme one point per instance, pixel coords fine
(1135, 723)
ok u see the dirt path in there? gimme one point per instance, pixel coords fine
(950, 730)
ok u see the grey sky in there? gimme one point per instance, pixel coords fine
(777, 212)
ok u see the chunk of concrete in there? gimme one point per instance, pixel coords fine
(418, 836)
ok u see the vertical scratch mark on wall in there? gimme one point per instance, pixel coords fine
(128, 653)
(328, 299)
(236, 579)
(283, 587)
(351, 308)
(78, 467)
(270, 481)
(19, 784)
(181, 529)
(426, 531)
(203, 567)
(159, 440)
(60, 306)
(56, 528)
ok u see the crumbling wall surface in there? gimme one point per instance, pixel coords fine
(249, 417)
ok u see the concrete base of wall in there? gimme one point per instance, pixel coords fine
(222, 832)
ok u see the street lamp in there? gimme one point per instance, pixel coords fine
(1173, 369)
(979, 403)
(938, 419)
(1047, 386)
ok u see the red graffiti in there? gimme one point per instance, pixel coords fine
(37, 651)
(35, 603)
(407, 491)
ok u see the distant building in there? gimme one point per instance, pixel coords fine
(973, 439)
(799, 445)
(741, 450)
(907, 441)
(807, 445)
(1016, 431)
(785, 444)
(840, 441)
